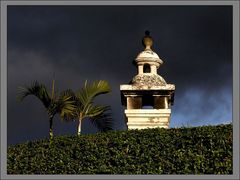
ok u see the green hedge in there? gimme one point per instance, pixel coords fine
(198, 150)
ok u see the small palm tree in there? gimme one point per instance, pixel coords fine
(53, 103)
(85, 109)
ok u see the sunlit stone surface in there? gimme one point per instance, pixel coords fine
(148, 97)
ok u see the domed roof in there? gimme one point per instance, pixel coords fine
(148, 55)
(148, 80)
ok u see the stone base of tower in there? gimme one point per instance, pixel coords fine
(147, 118)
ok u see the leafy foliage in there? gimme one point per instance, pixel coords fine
(54, 103)
(198, 150)
(86, 109)
(37, 89)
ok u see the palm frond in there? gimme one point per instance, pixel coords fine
(89, 92)
(68, 92)
(93, 110)
(36, 89)
(66, 105)
(103, 121)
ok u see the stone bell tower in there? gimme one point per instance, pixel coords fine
(147, 98)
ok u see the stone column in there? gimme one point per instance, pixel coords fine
(153, 69)
(134, 102)
(160, 102)
(166, 102)
(140, 69)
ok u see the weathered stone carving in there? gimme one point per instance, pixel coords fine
(147, 88)
(148, 80)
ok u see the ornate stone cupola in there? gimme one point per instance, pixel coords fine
(147, 98)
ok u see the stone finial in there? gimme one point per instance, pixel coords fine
(147, 40)
(148, 55)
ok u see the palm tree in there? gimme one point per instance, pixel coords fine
(54, 103)
(85, 109)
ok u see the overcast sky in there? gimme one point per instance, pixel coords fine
(100, 42)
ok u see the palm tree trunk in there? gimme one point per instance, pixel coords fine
(51, 127)
(79, 123)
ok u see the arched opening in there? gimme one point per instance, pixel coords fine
(146, 68)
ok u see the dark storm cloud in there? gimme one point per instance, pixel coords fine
(189, 39)
(100, 42)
